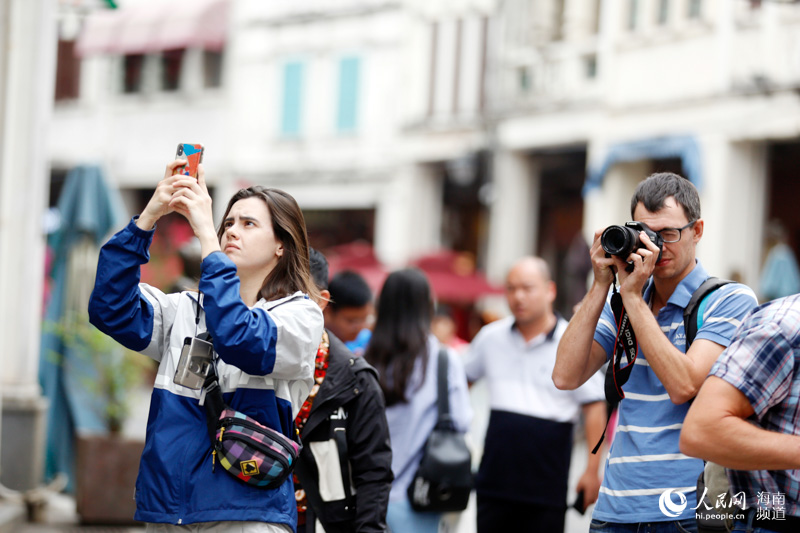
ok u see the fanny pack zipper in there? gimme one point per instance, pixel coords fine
(227, 422)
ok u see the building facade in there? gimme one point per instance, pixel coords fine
(494, 128)
(497, 128)
(593, 96)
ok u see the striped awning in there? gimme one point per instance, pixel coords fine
(154, 26)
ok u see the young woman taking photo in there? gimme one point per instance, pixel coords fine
(254, 302)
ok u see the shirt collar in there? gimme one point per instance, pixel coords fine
(683, 292)
(550, 334)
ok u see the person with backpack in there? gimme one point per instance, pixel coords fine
(406, 355)
(746, 415)
(643, 338)
(344, 475)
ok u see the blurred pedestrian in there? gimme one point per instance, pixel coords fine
(349, 309)
(746, 417)
(344, 473)
(646, 344)
(405, 353)
(577, 267)
(525, 465)
(780, 275)
(444, 328)
(254, 300)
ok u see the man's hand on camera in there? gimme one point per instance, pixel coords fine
(602, 265)
(644, 263)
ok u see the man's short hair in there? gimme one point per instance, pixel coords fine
(653, 191)
(319, 268)
(349, 289)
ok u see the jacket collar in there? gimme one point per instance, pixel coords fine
(193, 295)
(338, 386)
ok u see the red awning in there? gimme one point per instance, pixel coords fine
(139, 29)
(453, 277)
(99, 33)
(156, 25)
(359, 257)
(193, 23)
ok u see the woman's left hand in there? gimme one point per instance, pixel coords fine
(191, 199)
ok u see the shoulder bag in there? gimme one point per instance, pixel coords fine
(444, 479)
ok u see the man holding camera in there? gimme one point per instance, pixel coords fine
(656, 276)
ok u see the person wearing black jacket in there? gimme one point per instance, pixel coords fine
(345, 438)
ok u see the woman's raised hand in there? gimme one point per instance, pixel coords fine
(158, 206)
(191, 199)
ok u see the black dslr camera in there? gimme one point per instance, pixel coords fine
(622, 241)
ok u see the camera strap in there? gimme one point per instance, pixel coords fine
(625, 346)
(206, 336)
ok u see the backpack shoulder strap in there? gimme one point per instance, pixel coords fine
(691, 317)
(442, 393)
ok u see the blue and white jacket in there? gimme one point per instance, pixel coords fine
(266, 358)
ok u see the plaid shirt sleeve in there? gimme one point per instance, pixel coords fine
(760, 361)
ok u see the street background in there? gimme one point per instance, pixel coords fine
(455, 136)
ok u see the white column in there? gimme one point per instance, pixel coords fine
(24, 181)
(733, 199)
(578, 19)
(610, 20)
(28, 84)
(611, 203)
(513, 213)
(725, 26)
(408, 216)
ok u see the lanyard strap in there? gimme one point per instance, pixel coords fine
(624, 347)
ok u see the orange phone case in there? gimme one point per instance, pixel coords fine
(193, 155)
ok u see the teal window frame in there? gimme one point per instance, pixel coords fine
(292, 99)
(347, 108)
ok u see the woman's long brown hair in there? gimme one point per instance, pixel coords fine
(292, 272)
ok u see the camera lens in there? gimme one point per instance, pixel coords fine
(618, 240)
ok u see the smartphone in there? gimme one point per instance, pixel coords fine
(579, 503)
(193, 155)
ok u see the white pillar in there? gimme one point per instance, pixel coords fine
(28, 44)
(610, 19)
(725, 28)
(611, 202)
(733, 199)
(513, 213)
(408, 217)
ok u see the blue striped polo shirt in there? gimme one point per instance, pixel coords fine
(644, 460)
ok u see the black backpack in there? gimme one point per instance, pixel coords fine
(444, 479)
(692, 317)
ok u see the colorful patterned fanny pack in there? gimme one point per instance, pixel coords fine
(252, 452)
(248, 450)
